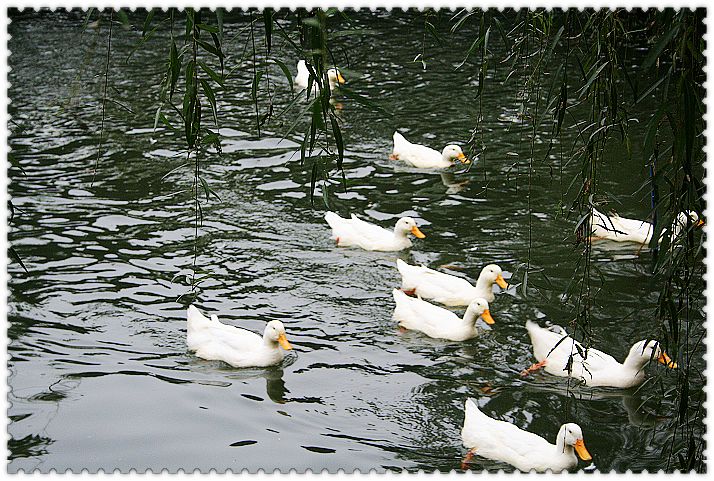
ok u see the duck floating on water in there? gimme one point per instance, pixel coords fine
(212, 340)
(622, 229)
(423, 157)
(447, 289)
(434, 321)
(553, 349)
(358, 233)
(302, 79)
(502, 441)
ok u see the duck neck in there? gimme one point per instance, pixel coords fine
(470, 318)
(401, 235)
(272, 343)
(445, 157)
(484, 284)
(564, 449)
(635, 362)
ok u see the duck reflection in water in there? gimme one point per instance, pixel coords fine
(452, 185)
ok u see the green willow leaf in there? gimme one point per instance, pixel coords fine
(338, 140)
(211, 99)
(207, 28)
(210, 48)
(211, 73)
(268, 23)
(147, 22)
(286, 72)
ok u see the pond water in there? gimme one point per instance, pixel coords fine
(99, 373)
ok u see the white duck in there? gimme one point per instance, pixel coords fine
(437, 322)
(622, 229)
(503, 441)
(596, 368)
(356, 232)
(214, 341)
(302, 79)
(423, 157)
(447, 289)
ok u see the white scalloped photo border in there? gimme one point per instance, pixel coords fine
(372, 4)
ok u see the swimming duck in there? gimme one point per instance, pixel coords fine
(447, 289)
(437, 322)
(424, 157)
(553, 347)
(356, 232)
(334, 77)
(622, 229)
(503, 441)
(214, 341)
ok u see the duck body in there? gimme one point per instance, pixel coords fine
(214, 341)
(355, 232)
(622, 229)
(434, 321)
(502, 441)
(554, 347)
(302, 79)
(447, 289)
(423, 157)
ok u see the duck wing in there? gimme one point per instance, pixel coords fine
(303, 74)
(416, 314)
(430, 283)
(400, 143)
(499, 440)
(616, 227)
(343, 230)
(369, 231)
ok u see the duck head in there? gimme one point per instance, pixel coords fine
(479, 308)
(406, 226)
(571, 436)
(453, 152)
(644, 351)
(492, 274)
(335, 77)
(275, 334)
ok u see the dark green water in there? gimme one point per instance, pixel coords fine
(99, 372)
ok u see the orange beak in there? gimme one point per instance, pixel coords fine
(582, 451)
(340, 78)
(283, 341)
(664, 359)
(700, 223)
(501, 282)
(417, 233)
(486, 316)
(463, 158)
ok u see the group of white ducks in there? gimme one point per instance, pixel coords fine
(556, 352)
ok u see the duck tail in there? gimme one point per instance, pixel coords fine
(332, 218)
(398, 294)
(194, 318)
(399, 139)
(402, 267)
(531, 326)
(471, 409)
